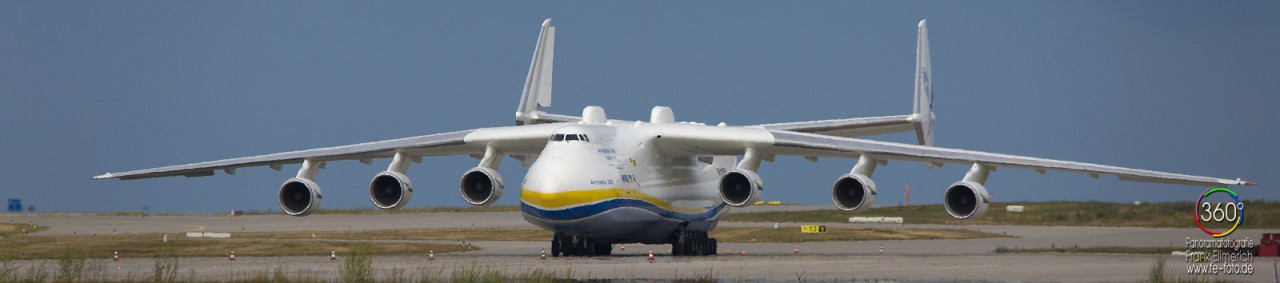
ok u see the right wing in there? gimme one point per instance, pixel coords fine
(514, 140)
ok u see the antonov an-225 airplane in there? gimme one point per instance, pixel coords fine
(596, 182)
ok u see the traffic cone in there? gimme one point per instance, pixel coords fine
(431, 255)
(232, 257)
(115, 256)
(797, 248)
(333, 255)
(544, 254)
(650, 255)
(881, 249)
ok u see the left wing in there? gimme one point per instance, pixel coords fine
(707, 140)
(513, 140)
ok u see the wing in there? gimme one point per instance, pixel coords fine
(705, 140)
(851, 127)
(513, 140)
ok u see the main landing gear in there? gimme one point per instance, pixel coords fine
(693, 243)
(683, 243)
(569, 245)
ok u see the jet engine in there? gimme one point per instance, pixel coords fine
(741, 188)
(390, 190)
(481, 186)
(853, 192)
(300, 196)
(966, 200)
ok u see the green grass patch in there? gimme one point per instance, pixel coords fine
(1258, 215)
(13, 229)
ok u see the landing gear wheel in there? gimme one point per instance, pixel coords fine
(579, 247)
(604, 249)
(590, 248)
(689, 243)
(555, 245)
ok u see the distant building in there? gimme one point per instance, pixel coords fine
(15, 205)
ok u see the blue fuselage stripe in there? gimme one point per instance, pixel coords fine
(584, 211)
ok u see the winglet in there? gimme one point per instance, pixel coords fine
(537, 85)
(923, 107)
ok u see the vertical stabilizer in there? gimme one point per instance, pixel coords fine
(923, 109)
(537, 85)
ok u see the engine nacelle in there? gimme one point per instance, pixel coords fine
(300, 196)
(853, 192)
(966, 200)
(481, 186)
(390, 190)
(741, 188)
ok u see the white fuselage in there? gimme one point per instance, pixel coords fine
(615, 186)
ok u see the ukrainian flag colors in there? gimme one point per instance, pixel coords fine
(571, 205)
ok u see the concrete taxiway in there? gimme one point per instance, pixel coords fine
(924, 260)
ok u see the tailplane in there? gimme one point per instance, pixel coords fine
(537, 85)
(922, 112)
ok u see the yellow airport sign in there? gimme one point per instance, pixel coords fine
(813, 229)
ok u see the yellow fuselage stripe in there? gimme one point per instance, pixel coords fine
(581, 197)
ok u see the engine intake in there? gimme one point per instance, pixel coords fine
(481, 186)
(390, 190)
(853, 192)
(300, 197)
(741, 188)
(966, 200)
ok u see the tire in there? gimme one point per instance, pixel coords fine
(604, 249)
(555, 247)
(715, 247)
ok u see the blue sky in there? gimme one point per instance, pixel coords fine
(90, 87)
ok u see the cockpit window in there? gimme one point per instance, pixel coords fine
(569, 137)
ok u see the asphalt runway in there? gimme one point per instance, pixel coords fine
(913, 260)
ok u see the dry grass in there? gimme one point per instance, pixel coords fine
(1260, 214)
(1093, 250)
(320, 243)
(467, 234)
(723, 234)
(429, 209)
(150, 245)
(792, 234)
